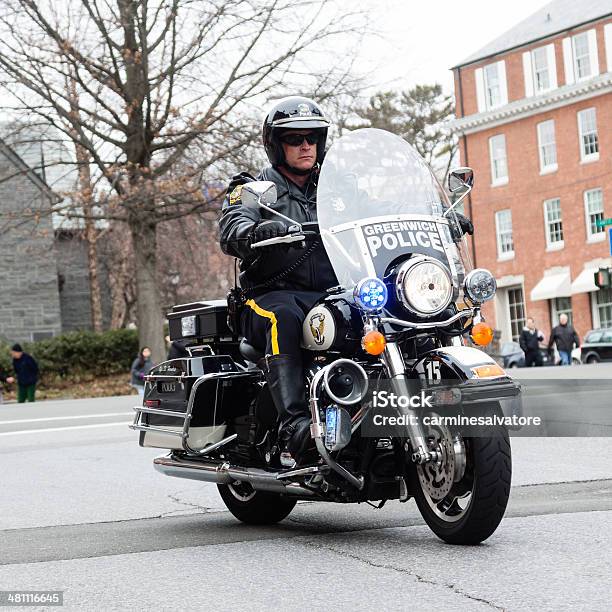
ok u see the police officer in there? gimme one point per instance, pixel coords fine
(282, 282)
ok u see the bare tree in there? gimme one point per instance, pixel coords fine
(154, 80)
(420, 115)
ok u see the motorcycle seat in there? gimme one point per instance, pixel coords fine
(249, 352)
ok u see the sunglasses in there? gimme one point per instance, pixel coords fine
(295, 140)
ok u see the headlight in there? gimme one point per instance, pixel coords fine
(424, 286)
(480, 285)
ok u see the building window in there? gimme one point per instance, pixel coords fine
(594, 210)
(547, 146)
(541, 76)
(539, 70)
(604, 307)
(516, 304)
(492, 86)
(587, 130)
(582, 59)
(559, 306)
(499, 161)
(505, 243)
(553, 223)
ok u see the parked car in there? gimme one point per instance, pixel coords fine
(597, 346)
(513, 357)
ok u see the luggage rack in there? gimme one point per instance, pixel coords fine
(186, 416)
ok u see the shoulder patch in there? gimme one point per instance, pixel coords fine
(234, 197)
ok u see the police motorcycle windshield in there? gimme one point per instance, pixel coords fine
(379, 203)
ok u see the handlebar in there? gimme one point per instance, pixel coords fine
(300, 236)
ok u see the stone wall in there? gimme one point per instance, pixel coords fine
(71, 254)
(29, 295)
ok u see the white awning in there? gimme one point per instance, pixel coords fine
(553, 285)
(585, 281)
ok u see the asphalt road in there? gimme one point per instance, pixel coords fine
(83, 511)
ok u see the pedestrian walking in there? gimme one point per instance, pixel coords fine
(564, 336)
(26, 372)
(3, 380)
(140, 368)
(529, 340)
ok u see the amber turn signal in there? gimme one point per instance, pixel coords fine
(487, 371)
(373, 343)
(482, 334)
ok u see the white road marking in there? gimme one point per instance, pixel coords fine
(66, 418)
(30, 431)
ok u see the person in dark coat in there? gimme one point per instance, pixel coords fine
(140, 368)
(564, 336)
(529, 340)
(26, 371)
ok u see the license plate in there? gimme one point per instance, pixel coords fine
(167, 387)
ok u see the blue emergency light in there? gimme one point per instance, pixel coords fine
(371, 294)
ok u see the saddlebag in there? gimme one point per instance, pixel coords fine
(189, 403)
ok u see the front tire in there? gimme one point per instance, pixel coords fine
(475, 504)
(255, 507)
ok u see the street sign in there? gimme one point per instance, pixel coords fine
(603, 222)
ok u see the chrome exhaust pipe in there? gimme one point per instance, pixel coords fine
(224, 473)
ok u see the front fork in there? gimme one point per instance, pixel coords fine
(394, 363)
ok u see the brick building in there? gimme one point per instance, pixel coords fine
(534, 110)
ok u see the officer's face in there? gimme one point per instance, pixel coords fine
(301, 156)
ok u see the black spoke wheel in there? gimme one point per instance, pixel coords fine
(255, 507)
(464, 496)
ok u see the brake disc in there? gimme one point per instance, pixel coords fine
(437, 477)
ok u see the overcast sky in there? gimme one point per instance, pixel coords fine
(421, 40)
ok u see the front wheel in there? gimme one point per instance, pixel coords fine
(463, 498)
(255, 507)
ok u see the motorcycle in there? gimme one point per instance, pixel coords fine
(406, 302)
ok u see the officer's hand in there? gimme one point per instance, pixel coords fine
(268, 229)
(467, 227)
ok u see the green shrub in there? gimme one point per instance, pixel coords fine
(80, 354)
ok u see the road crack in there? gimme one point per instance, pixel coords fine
(179, 501)
(401, 570)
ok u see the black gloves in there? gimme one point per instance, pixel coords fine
(268, 229)
(467, 227)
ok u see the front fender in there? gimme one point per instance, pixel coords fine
(452, 363)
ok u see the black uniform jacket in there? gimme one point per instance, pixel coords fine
(269, 266)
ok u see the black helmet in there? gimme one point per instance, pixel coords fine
(294, 112)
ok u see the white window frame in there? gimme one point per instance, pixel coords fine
(551, 167)
(530, 73)
(519, 321)
(570, 60)
(596, 296)
(499, 232)
(608, 40)
(600, 234)
(495, 179)
(583, 36)
(551, 219)
(587, 157)
(556, 312)
(482, 86)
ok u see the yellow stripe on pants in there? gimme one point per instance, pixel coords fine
(272, 317)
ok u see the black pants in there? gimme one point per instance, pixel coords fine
(533, 358)
(272, 322)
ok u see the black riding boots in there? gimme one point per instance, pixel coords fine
(285, 378)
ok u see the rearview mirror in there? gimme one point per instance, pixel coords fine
(256, 193)
(460, 178)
